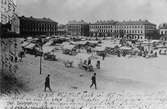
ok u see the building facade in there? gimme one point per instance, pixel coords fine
(62, 29)
(30, 26)
(78, 28)
(163, 31)
(102, 28)
(130, 30)
(134, 30)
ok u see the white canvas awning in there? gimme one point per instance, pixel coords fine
(68, 46)
(47, 49)
(83, 56)
(125, 48)
(100, 48)
(30, 46)
(25, 43)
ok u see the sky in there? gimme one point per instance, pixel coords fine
(92, 10)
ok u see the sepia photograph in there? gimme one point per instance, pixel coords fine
(83, 54)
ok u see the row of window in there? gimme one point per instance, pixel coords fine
(124, 31)
(163, 32)
(132, 37)
(120, 26)
(39, 25)
(39, 29)
(117, 26)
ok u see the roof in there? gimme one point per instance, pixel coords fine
(77, 22)
(105, 22)
(112, 22)
(140, 22)
(37, 19)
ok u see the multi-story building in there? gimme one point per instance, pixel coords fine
(130, 30)
(134, 30)
(163, 31)
(78, 28)
(102, 28)
(62, 29)
(37, 26)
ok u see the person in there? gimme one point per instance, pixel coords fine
(93, 81)
(98, 64)
(85, 62)
(47, 83)
(90, 67)
(155, 54)
(89, 61)
(159, 51)
(103, 56)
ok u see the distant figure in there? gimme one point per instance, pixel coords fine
(89, 61)
(155, 54)
(103, 56)
(47, 83)
(90, 67)
(85, 61)
(165, 52)
(159, 51)
(98, 64)
(21, 55)
(93, 81)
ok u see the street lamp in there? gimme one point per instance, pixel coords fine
(40, 45)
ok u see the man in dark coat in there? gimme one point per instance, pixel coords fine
(47, 83)
(93, 81)
(89, 61)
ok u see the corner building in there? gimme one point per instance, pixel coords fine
(130, 30)
(30, 26)
(134, 30)
(78, 28)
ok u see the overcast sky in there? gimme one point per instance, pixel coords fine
(91, 10)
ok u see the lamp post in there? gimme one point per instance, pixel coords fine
(41, 43)
(40, 65)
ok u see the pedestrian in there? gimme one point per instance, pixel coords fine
(98, 64)
(85, 62)
(103, 55)
(160, 52)
(47, 83)
(93, 81)
(89, 61)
